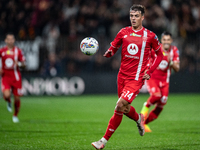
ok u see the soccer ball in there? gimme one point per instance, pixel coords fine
(89, 46)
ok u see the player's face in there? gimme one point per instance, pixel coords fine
(166, 41)
(136, 19)
(10, 40)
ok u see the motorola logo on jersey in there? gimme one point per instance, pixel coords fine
(163, 65)
(132, 49)
(9, 62)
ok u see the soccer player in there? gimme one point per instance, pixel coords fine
(158, 85)
(137, 43)
(12, 58)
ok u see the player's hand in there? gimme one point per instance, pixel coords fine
(147, 75)
(15, 63)
(1, 71)
(168, 57)
(21, 65)
(108, 53)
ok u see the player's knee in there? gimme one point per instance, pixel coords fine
(119, 107)
(154, 98)
(6, 94)
(163, 100)
(122, 106)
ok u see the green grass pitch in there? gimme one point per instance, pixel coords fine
(73, 122)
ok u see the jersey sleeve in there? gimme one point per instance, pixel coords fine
(153, 55)
(152, 58)
(117, 42)
(21, 56)
(159, 56)
(155, 42)
(1, 50)
(176, 54)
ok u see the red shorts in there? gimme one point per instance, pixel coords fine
(156, 86)
(129, 89)
(11, 84)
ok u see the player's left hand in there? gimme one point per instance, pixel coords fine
(108, 53)
(169, 57)
(1, 71)
(20, 64)
(146, 75)
(16, 63)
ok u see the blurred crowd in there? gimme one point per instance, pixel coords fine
(62, 24)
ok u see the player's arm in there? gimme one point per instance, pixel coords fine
(155, 64)
(110, 52)
(156, 47)
(115, 45)
(21, 63)
(1, 70)
(175, 63)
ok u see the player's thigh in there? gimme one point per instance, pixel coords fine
(131, 90)
(153, 87)
(165, 92)
(120, 86)
(5, 87)
(17, 88)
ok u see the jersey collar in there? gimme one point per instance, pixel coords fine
(10, 49)
(138, 30)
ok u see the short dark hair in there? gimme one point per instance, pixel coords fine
(166, 33)
(9, 33)
(137, 7)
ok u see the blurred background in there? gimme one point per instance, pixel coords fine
(50, 31)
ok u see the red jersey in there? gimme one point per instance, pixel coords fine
(8, 58)
(163, 71)
(135, 54)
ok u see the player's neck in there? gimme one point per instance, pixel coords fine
(167, 50)
(10, 47)
(137, 28)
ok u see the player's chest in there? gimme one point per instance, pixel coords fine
(8, 59)
(136, 40)
(166, 56)
(165, 61)
(8, 54)
(133, 44)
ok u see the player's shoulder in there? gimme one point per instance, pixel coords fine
(19, 49)
(174, 49)
(150, 33)
(152, 36)
(125, 29)
(3, 48)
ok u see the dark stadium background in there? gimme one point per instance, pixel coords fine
(49, 32)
